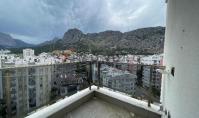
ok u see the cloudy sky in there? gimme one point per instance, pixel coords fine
(35, 21)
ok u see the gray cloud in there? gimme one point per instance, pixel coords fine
(39, 20)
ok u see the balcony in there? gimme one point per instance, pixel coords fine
(98, 103)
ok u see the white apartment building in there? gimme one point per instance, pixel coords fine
(118, 80)
(29, 59)
(28, 53)
(152, 59)
(2, 51)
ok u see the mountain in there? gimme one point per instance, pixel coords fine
(49, 42)
(141, 41)
(73, 36)
(6, 41)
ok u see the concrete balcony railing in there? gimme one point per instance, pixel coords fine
(78, 105)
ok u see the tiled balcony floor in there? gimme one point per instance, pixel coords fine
(97, 108)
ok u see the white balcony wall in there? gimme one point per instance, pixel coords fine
(180, 94)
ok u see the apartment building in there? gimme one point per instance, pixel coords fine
(119, 80)
(14, 90)
(28, 53)
(65, 79)
(25, 88)
(151, 73)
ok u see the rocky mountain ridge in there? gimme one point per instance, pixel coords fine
(148, 40)
(7, 41)
(144, 40)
